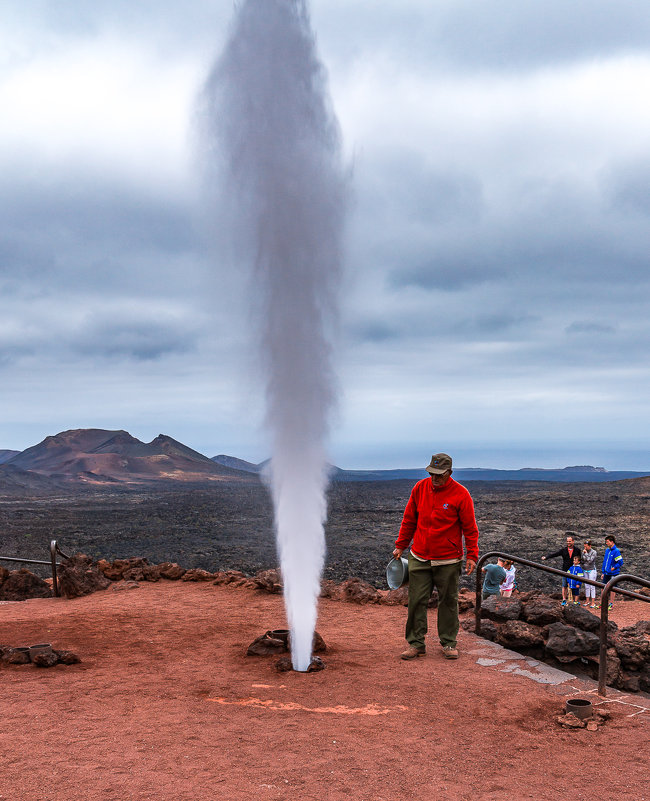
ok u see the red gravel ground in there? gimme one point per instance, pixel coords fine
(165, 705)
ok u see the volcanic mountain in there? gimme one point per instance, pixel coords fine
(97, 456)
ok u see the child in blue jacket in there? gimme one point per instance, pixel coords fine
(574, 584)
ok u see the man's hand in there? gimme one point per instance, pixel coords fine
(470, 564)
(398, 552)
(543, 558)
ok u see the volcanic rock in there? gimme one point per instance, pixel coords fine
(197, 574)
(644, 679)
(67, 657)
(22, 584)
(266, 644)
(284, 664)
(268, 580)
(541, 610)
(570, 721)
(44, 657)
(640, 627)
(354, 590)
(134, 574)
(128, 564)
(4, 575)
(466, 600)
(171, 571)
(151, 572)
(16, 656)
(579, 617)
(229, 577)
(633, 650)
(519, 634)
(488, 628)
(613, 666)
(564, 640)
(274, 643)
(498, 608)
(398, 597)
(78, 576)
(111, 573)
(629, 682)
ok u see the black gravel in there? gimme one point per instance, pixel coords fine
(230, 526)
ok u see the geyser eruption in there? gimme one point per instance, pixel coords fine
(284, 188)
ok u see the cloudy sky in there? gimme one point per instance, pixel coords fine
(495, 301)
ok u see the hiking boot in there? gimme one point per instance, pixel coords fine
(412, 652)
(563, 603)
(450, 652)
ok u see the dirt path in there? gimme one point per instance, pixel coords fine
(165, 705)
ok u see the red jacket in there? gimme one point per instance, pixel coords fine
(437, 519)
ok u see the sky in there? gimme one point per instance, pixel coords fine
(495, 293)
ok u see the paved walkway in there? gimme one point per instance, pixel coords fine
(492, 656)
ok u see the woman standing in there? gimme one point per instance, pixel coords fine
(588, 564)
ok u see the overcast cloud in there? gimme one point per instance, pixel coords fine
(496, 290)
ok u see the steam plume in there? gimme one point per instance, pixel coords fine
(279, 144)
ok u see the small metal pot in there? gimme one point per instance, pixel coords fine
(280, 634)
(397, 573)
(580, 707)
(40, 648)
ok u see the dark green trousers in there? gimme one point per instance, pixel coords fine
(422, 580)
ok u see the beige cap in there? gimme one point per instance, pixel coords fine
(440, 463)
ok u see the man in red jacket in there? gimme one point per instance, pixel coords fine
(438, 517)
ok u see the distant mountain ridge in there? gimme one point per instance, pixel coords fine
(6, 455)
(237, 464)
(577, 473)
(98, 456)
(583, 473)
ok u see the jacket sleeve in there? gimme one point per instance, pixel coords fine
(555, 553)
(409, 523)
(469, 527)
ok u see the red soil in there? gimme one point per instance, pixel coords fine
(165, 705)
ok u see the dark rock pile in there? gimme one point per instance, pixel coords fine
(42, 655)
(278, 641)
(78, 576)
(539, 626)
(18, 585)
(570, 721)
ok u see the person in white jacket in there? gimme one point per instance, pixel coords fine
(588, 564)
(509, 584)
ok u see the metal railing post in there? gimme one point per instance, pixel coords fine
(55, 583)
(604, 619)
(54, 550)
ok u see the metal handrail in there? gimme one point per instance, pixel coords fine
(604, 600)
(54, 550)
